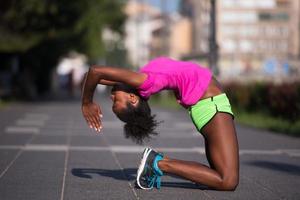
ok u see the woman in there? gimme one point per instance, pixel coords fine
(197, 90)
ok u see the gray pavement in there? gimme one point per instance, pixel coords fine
(48, 152)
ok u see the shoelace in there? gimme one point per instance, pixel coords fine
(158, 182)
(154, 180)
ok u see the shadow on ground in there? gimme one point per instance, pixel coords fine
(186, 185)
(128, 174)
(277, 166)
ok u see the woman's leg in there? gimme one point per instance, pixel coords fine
(222, 154)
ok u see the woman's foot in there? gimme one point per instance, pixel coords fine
(148, 174)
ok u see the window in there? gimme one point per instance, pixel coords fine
(229, 45)
(228, 30)
(246, 46)
(243, 17)
(249, 3)
(248, 31)
(273, 16)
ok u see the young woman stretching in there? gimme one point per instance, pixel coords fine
(195, 89)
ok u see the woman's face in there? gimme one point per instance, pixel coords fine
(119, 99)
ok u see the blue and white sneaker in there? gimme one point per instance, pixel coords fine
(148, 174)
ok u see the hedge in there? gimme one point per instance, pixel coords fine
(278, 100)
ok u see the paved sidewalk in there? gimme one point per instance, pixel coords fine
(48, 152)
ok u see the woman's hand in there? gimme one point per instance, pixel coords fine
(92, 114)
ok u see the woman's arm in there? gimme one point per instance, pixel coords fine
(106, 82)
(101, 82)
(108, 76)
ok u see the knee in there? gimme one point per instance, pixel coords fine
(229, 183)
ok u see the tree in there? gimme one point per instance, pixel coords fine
(38, 32)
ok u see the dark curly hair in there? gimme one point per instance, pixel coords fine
(140, 124)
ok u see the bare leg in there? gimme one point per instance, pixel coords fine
(222, 153)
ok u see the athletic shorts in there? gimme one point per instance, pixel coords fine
(203, 111)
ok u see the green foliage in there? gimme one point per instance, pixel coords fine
(265, 121)
(2, 104)
(281, 101)
(39, 32)
(25, 24)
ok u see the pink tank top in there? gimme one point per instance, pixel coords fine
(188, 80)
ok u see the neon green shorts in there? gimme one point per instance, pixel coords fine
(203, 111)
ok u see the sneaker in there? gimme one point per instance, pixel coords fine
(148, 174)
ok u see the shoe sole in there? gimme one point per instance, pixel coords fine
(146, 153)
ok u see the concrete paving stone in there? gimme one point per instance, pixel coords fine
(36, 116)
(280, 174)
(95, 175)
(178, 188)
(163, 132)
(84, 132)
(255, 183)
(15, 139)
(84, 129)
(88, 140)
(118, 139)
(172, 129)
(54, 132)
(172, 187)
(8, 119)
(177, 191)
(49, 139)
(4, 124)
(246, 189)
(71, 123)
(30, 122)
(54, 127)
(177, 125)
(34, 175)
(177, 142)
(6, 156)
(252, 138)
(22, 130)
(178, 134)
(164, 139)
(114, 132)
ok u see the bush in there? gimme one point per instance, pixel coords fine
(282, 101)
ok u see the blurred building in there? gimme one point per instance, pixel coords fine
(70, 73)
(160, 37)
(151, 33)
(174, 38)
(181, 37)
(197, 12)
(253, 35)
(142, 21)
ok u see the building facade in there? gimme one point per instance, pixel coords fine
(151, 33)
(253, 35)
(142, 20)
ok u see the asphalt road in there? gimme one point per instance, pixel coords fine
(48, 152)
